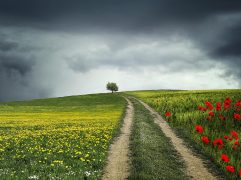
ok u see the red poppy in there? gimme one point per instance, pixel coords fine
(240, 172)
(237, 143)
(234, 134)
(238, 103)
(226, 137)
(168, 114)
(200, 108)
(218, 142)
(205, 140)
(237, 116)
(209, 105)
(227, 101)
(218, 106)
(221, 117)
(230, 169)
(211, 114)
(199, 129)
(226, 106)
(224, 158)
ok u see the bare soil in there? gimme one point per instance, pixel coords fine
(195, 166)
(118, 162)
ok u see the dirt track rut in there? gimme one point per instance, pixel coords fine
(118, 163)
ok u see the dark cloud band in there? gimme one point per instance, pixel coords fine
(132, 31)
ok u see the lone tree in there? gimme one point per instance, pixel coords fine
(112, 87)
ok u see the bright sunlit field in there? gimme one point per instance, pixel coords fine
(58, 138)
(211, 119)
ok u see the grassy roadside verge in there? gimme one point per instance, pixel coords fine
(153, 155)
(208, 161)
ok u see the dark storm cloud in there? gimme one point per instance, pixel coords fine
(7, 46)
(134, 15)
(14, 64)
(228, 51)
(13, 80)
(10, 62)
(16, 81)
(124, 25)
(230, 47)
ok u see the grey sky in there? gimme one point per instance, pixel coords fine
(55, 48)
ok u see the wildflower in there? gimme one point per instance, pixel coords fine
(219, 143)
(205, 140)
(211, 114)
(227, 101)
(209, 105)
(168, 114)
(230, 169)
(226, 106)
(240, 172)
(237, 143)
(87, 173)
(221, 117)
(224, 158)
(82, 159)
(218, 106)
(238, 103)
(33, 177)
(226, 137)
(237, 116)
(200, 108)
(199, 129)
(234, 134)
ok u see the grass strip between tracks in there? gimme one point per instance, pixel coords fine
(153, 156)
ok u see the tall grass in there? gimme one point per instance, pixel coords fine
(216, 137)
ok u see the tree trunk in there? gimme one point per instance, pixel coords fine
(112, 91)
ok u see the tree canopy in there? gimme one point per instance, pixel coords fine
(112, 87)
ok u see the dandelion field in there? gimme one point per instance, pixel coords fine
(58, 138)
(211, 118)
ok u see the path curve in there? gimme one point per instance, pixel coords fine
(118, 162)
(195, 167)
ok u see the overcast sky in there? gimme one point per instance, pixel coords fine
(52, 48)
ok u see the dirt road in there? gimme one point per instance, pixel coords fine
(118, 163)
(195, 166)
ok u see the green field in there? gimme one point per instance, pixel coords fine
(58, 138)
(214, 130)
(68, 138)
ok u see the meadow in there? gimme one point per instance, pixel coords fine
(58, 138)
(209, 119)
